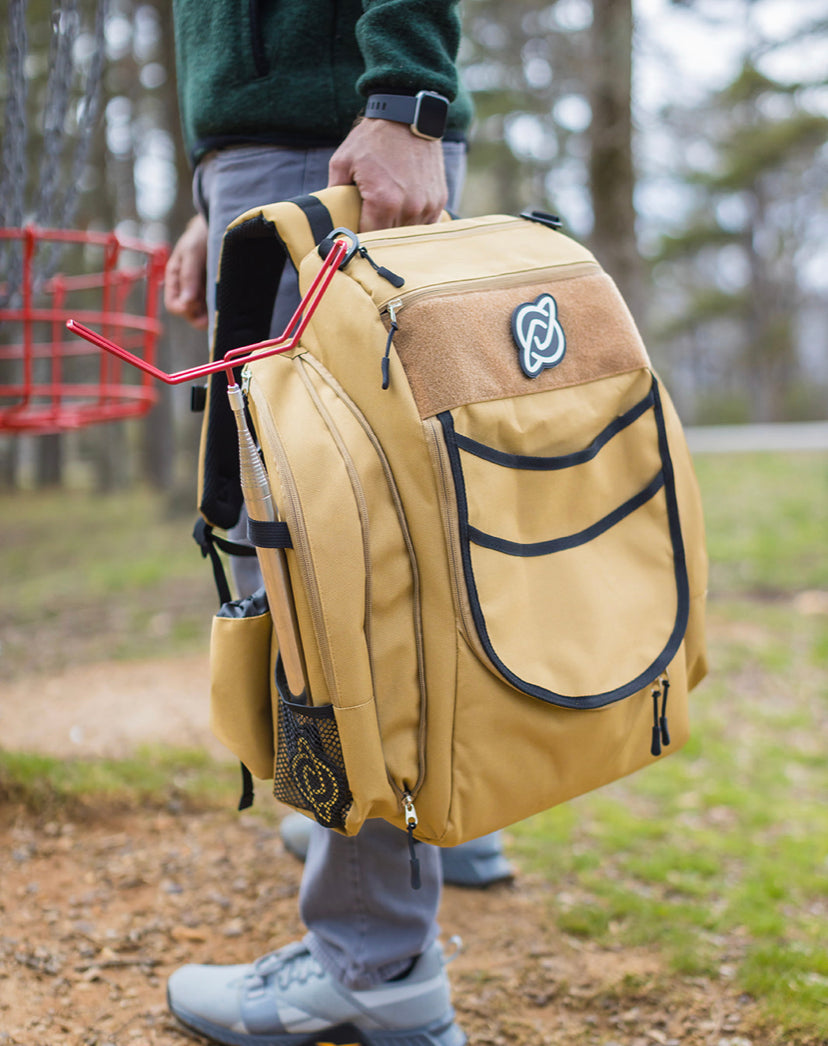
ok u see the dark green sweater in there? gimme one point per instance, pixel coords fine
(297, 72)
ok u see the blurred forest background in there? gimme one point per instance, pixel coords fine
(683, 140)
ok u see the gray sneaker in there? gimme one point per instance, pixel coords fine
(287, 999)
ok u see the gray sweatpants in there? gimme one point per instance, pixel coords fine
(365, 922)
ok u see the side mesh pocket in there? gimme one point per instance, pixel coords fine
(310, 770)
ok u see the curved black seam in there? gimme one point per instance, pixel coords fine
(564, 461)
(582, 537)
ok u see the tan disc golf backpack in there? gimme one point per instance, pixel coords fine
(489, 517)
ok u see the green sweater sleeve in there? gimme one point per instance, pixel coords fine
(409, 45)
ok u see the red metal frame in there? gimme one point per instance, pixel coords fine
(288, 340)
(50, 382)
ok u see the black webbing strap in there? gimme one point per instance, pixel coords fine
(210, 544)
(318, 215)
(269, 534)
(247, 796)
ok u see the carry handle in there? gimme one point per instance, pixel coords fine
(288, 340)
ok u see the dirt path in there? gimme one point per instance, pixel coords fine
(97, 912)
(110, 709)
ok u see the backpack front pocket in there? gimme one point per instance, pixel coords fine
(561, 556)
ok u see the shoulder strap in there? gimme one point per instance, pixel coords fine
(255, 250)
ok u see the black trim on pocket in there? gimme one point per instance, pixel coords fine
(665, 479)
(532, 463)
(546, 548)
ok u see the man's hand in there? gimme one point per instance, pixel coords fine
(400, 177)
(185, 278)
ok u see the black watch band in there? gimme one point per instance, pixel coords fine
(426, 112)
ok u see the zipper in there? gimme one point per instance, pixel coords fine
(503, 281)
(392, 277)
(661, 731)
(411, 822)
(333, 384)
(451, 527)
(455, 229)
(292, 512)
(391, 308)
(359, 498)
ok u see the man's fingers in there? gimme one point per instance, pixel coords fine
(400, 177)
(185, 275)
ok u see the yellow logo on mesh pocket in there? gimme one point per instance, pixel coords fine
(315, 780)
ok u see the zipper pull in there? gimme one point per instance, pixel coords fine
(380, 270)
(410, 825)
(392, 307)
(662, 722)
(655, 747)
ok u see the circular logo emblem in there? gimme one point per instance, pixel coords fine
(538, 335)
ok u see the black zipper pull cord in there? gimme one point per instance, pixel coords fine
(414, 860)
(665, 732)
(386, 360)
(392, 307)
(655, 747)
(380, 270)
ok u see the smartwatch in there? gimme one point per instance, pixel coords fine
(425, 113)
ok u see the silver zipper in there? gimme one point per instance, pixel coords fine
(327, 377)
(451, 528)
(552, 273)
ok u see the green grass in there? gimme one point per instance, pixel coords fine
(767, 520)
(717, 857)
(89, 577)
(154, 776)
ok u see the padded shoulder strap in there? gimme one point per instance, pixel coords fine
(301, 223)
(255, 250)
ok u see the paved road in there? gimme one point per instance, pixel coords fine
(706, 439)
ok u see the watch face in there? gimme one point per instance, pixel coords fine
(431, 117)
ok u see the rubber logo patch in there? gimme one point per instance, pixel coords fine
(538, 335)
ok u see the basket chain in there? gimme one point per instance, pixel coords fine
(49, 210)
(13, 174)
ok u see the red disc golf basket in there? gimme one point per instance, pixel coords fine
(51, 381)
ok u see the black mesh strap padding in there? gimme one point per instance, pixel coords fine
(253, 258)
(252, 261)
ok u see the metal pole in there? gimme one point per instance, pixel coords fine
(259, 502)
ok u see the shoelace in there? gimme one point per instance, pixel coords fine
(290, 965)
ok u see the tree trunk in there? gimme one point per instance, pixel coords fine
(49, 460)
(611, 169)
